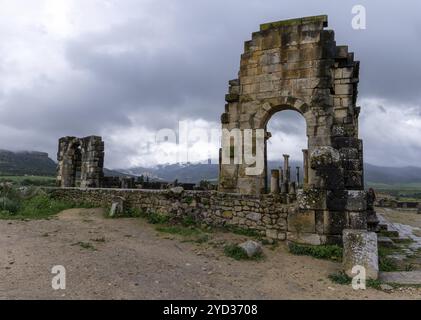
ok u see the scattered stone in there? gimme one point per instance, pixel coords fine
(251, 248)
(117, 206)
(386, 287)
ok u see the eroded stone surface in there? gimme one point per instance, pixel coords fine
(360, 249)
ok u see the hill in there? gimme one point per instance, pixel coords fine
(33, 163)
(26, 162)
(38, 163)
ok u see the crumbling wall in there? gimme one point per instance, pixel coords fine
(80, 155)
(266, 214)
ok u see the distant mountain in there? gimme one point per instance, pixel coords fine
(193, 173)
(38, 163)
(391, 175)
(33, 163)
(26, 162)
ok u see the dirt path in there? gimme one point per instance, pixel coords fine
(131, 260)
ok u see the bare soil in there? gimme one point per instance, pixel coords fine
(129, 259)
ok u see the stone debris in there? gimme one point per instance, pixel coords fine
(117, 206)
(251, 248)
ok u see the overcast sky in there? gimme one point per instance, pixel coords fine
(124, 69)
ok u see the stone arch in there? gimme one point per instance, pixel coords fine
(269, 108)
(296, 65)
(84, 155)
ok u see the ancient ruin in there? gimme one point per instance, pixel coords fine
(296, 65)
(80, 159)
(288, 65)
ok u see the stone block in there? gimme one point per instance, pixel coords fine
(305, 238)
(336, 200)
(358, 220)
(300, 221)
(311, 199)
(334, 222)
(360, 249)
(356, 200)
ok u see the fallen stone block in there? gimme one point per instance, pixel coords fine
(117, 206)
(251, 248)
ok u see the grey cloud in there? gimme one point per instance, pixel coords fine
(149, 74)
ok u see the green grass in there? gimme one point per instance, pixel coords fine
(30, 180)
(342, 279)
(326, 252)
(387, 264)
(157, 218)
(37, 207)
(179, 230)
(243, 232)
(85, 245)
(402, 191)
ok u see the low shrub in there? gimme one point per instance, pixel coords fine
(326, 252)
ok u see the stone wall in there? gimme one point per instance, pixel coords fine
(266, 214)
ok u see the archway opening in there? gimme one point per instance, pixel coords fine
(77, 163)
(288, 136)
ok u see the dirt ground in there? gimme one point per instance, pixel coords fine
(129, 259)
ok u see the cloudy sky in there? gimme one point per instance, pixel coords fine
(125, 69)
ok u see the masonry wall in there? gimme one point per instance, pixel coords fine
(265, 214)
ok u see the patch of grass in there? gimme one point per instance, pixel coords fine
(85, 245)
(387, 264)
(179, 230)
(235, 252)
(189, 221)
(37, 207)
(340, 278)
(326, 252)
(46, 181)
(188, 200)
(157, 218)
(243, 232)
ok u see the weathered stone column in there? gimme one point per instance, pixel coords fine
(298, 176)
(281, 176)
(274, 182)
(286, 167)
(305, 167)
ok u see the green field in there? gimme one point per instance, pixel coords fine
(402, 191)
(30, 180)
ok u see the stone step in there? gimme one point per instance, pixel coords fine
(400, 239)
(383, 226)
(390, 234)
(404, 278)
(385, 242)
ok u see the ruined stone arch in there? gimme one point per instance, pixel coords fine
(84, 155)
(297, 65)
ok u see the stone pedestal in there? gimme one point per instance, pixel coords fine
(360, 249)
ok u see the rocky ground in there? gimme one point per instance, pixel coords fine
(129, 259)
